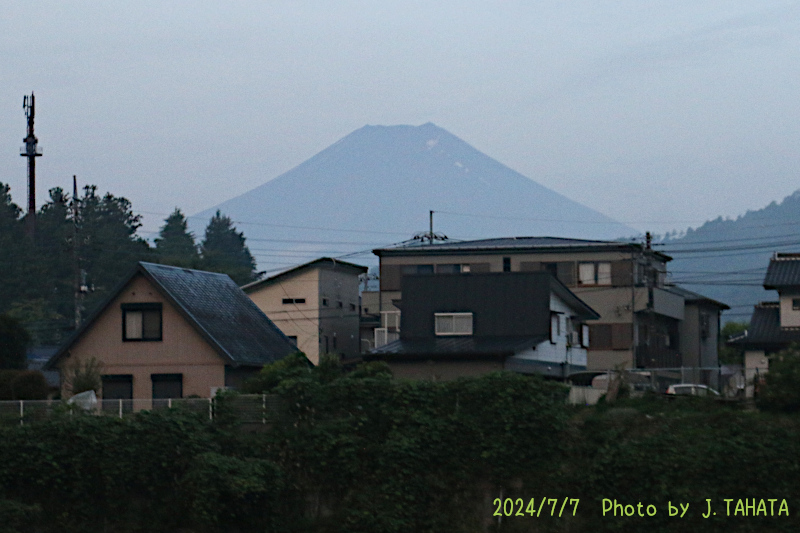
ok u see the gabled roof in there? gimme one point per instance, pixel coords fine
(765, 329)
(322, 262)
(516, 244)
(217, 309)
(690, 296)
(783, 271)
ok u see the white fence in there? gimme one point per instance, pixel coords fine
(248, 408)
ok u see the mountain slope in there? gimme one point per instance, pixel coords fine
(727, 259)
(380, 182)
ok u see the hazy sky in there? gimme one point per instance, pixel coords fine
(661, 114)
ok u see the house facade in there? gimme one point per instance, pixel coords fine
(774, 325)
(316, 305)
(641, 317)
(170, 332)
(455, 325)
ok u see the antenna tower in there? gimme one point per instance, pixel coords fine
(31, 150)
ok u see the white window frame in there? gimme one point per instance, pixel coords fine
(441, 319)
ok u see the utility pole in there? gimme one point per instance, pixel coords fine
(430, 235)
(75, 255)
(31, 150)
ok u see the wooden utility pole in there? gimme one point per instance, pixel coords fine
(31, 150)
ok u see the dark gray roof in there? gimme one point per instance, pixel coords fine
(765, 329)
(216, 307)
(322, 262)
(783, 271)
(453, 348)
(518, 244)
(690, 296)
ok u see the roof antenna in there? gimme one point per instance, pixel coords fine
(429, 236)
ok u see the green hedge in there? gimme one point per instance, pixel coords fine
(367, 453)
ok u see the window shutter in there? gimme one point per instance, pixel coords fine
(621, 273)
(529, 266)
(566, 273)
(601, 336)
(479, 267)
(621, 336)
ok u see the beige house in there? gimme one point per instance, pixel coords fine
(641, 318)
(170, 332)
(315, 304)
(774, 326)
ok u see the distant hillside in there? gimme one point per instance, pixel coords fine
(377, 185)
(727, 259)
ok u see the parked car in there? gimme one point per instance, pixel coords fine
(691, 389)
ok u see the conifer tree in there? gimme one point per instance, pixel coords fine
(11, 249)
(224, 250)
(108, 246)
(175, 244)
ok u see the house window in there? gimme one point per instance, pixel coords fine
(453, 323)
(417, 269)
(506, 264)
(118, 387)
(796, 304)
(294, 300)
(584, 336)
(352, 307)
(325, 302)
(292, 338)
(166, 386)
(141, 322)
(339, 304)
(594, 273)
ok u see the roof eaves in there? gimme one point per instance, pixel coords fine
(91, 318)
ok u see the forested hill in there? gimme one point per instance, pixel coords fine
(727, 259)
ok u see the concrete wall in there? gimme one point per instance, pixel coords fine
(182, 350)
(328, 320)
(790, 318)
(338, 321)
(299, 320)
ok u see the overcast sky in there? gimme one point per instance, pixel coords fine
(660, 114)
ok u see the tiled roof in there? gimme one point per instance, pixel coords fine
(514, 244)
(783, 271)
(228, 317)
(218, 310)
(765, 328)
(454, 348)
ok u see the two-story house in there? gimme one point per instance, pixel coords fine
(315, 304)
(773, 325)
(167, 332)
(641, 317)
(458, 325)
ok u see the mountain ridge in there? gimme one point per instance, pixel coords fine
(387, 179)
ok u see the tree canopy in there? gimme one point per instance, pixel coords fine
(224, 250)
(175, 243)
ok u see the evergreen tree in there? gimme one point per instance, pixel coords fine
(175, 243)
(14, 342)
(11, 249)
(108, 246)
(225, 251)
